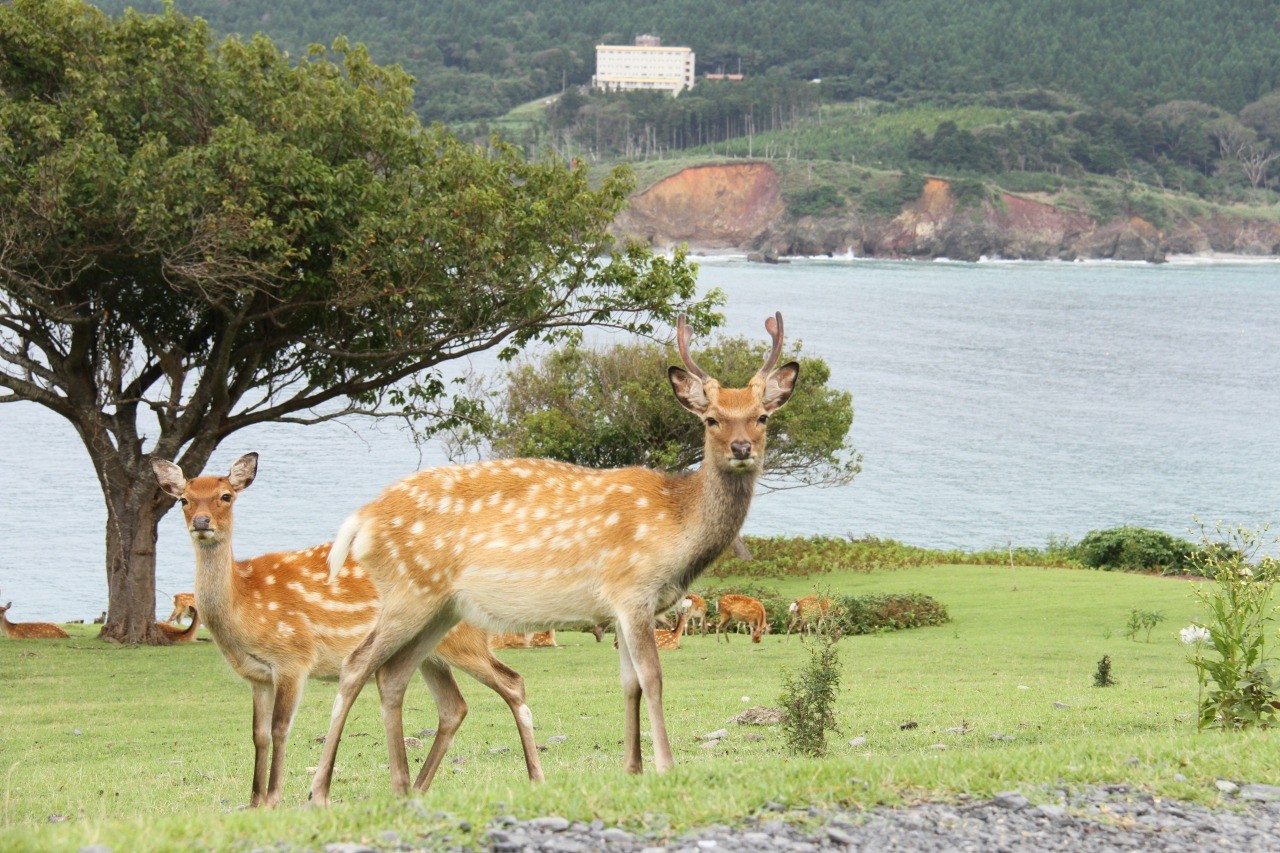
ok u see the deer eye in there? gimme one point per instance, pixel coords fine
(763, 419)
(183, 501)
(711, 422)
(226, 498)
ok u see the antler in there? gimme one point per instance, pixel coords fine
(774, 327)
(683, 335)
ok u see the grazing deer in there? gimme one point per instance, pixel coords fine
(518, 543)
(29, 630)
(697, 610)
(178, 634)
(527, 640)
(668, 640)
(808, 614)
(278, 622)
(184, 604)
(744, 609)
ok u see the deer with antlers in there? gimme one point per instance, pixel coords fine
(744, 609)
(516, 544)
(29, 630)
(278, 621)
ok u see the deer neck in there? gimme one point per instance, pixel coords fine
(215, 582)
(717, 502)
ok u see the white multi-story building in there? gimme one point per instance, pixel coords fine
(646, 65)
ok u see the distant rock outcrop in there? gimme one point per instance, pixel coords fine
(739, 206)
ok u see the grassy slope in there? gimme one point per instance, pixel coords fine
(163, 752)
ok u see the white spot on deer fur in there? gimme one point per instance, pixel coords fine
(476, 506)
(269, 579)
(611, 520)
(438, 543)
(443, 505)
(398, 521)
(273, 606)
(641, 530)
(642, 502)
(418, 528)
(283, 628)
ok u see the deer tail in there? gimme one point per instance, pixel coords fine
(342, 544)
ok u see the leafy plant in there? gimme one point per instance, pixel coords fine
(1142, 620)
(1229, 648)
(809, 697)
(1102, 677)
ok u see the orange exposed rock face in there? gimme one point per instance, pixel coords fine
(740, 206)
(714, 207)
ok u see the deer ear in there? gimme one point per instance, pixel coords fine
(243, 470)
(689, 390)
(779, 384)
(170, 477)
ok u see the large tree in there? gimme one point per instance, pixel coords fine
(610, 407)
(197, 237)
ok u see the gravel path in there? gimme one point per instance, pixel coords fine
(1114, 817)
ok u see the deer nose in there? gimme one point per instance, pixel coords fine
(200, 522)
(741, 449)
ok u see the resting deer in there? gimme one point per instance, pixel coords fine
(697, 610)
(278, 622)
(184, 604)
(527, 640)
(520, 543)
(29, 630)
(744, 609)
(178, 634)
(808, 614)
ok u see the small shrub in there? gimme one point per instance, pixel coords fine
(872, 614)
(1142, 620)
(815, 201)
(809, 698)
(1102, 677)
(1229, 649)
(1135, 549)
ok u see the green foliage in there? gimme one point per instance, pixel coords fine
(1142, 620)
(783, 557)
(816, 201)
(1136, 549)
(1229, 647)
(874, 614)
(1102, 676)
(809, 698)
(613, 407)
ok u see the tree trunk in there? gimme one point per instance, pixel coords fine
(134, 508)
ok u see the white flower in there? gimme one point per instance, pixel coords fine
(746, 698)
(1194, 635)
(1246, 572)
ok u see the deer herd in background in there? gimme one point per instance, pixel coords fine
(442, 566)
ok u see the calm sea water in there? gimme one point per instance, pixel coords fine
(994, 402)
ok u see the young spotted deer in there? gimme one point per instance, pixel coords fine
(668, 640)
(29, 630)
(184, 604)
(517, 544)
(741, 608)
(808, 614)
(178, 634)
(698, 610)
(278, 622)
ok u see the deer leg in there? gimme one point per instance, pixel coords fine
(509, 684)
(631, 704)
(451, 710)
(642, 647)
(393, 680)
(391, 632)
(288, 693)
(263, 699)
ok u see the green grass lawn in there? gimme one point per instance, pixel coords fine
(141, 748)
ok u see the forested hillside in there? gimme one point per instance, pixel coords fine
(478, 59)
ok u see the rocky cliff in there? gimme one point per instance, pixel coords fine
(741, 207)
